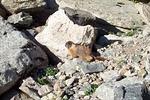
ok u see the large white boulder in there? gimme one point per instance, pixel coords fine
(60, 29)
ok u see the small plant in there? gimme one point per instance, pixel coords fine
(90, 90)
(42, 81)
(49, 71)
(131, 33)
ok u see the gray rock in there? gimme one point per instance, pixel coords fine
(71, 66)
(121, 13)
(18, 55)
(147, 63)
(70, 81)
(44, 90)
(144, 10)
(107, 91)
(111, 75)
(92, 67)
(135, 92)
(80, 17)
(50, 96)
(146, 31)
(14, 6)
(20, 20)
(147, 81)
(121, 91)
(30, 87)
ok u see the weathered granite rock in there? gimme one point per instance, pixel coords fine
(71, 66)
(70, 81)
(50, 96)
(14, 6)
(144, 10)
(146, 31)
(111, 75)
(34, 90)
(117, 12)
(30, 87)
(93, 67)
(61, 29)
(126, 89)
(44, 90)
(18, 55)
(68, 67)
(20, 20)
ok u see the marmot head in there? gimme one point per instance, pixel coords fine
(69, 44)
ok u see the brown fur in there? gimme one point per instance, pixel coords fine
(81, 51)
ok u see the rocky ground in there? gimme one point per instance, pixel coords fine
(34, 62)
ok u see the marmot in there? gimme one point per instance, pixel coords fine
(81, 51)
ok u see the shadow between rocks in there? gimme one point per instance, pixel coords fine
(83, 18)
(52, 58)
(41, 17)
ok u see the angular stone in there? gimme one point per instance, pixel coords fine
(123, 90)
(14, 6)
(30, 87)
(68, 67)
(144, 10)
(20, 20)
(18, 55)
(50, 96)
(111, 75)
(70, 81)
(108, 92)
(146, 31)
(45, 89)
(71, 66)
(93, 67)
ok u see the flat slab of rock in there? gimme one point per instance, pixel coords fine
(71, 66)
(117, 12)
(61, 29)
(14, 6)
(34, 90)
(18, 55)
(93, 67)
(29, 86)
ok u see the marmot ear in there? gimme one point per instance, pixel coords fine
(69, 44)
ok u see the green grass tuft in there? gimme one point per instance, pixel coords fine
(49, 71)
(91, 89)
